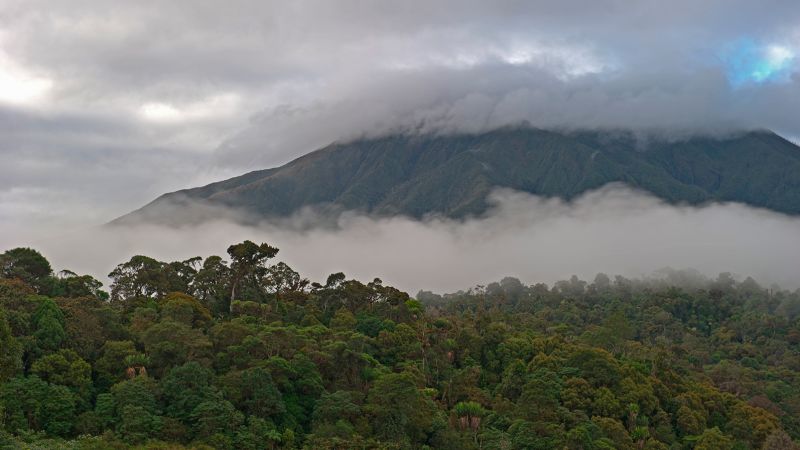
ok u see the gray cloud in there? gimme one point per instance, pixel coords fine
(130, 100)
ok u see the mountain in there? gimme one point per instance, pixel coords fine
(452, 175)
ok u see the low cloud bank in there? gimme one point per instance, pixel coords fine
(613, 230)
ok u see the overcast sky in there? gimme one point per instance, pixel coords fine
(105, 105)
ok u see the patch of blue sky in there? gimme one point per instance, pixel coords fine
(747, 62)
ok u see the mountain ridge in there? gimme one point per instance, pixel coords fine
(419, 175)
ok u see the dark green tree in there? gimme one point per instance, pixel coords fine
(248, 263)
(10, 351)
(28, 265)
(48, 322)
(184, 388)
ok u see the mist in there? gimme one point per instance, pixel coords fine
(614, 230)
(103, 108)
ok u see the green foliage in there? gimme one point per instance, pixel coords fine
(184, 388)
(248, 265)
(10, 351)
(254, 392)
(713, 439)
(398, 410)
(185, 309)
(113, 362)
(58, 411)
(137, 424)
(215, 416)
(30, 404)
(65, 368)
(28, 265)
(139, 392)
(622, 364)
(48, 322)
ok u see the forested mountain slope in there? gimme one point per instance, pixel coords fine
(167, 360)
(452, 175)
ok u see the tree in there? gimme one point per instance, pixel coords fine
(343, 320)
(398, 410)
(536, 435)
(185, 309)
(143, 277)
(136, 365)
(22, 400)
(28, 265)
(247, 262)
(48, 322)
(282, 279)
(184, 388)
(89, 323)
(469, 415)
(169, 344)
(139, 392)
(58, 411)
(258, 434)
(615, 431)
(10, 351)
(31, 404)
(137, 424)
(215, 416)
(105, 410)
(690, 421)
(111, 367)
(300, 384)
(597, 366)
(606, 403)
(779, 440)
(211, 284)
(539, 400)
(253, 391)
(713, 439)
(70, 284)
(751, 424)
(65, 368)
(334, 408)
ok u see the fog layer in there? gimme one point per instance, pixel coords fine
(612, 230)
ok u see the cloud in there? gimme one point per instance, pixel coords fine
(455, 101)
(612, 230)
(104, 107)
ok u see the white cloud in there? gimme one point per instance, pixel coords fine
(160, 112)
(779, 55)
(19, 85)
(215, 106)
(611, 230)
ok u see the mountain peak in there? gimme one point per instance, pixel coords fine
(419, 175)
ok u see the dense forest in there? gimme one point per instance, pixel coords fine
(242, 352)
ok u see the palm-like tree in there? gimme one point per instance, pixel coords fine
(640, 435)
(136, 365)
(633, 415)
(469, 415)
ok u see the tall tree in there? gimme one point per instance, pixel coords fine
(28, 265)
(48, 322)
(10, 351)
(248, 263)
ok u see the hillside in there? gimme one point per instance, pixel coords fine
(452, 175)
(167, 360)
